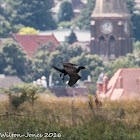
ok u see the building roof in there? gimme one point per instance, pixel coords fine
(130, 86)
(62, 34)
(110, 8)
(30, 43)
(8, 81)
(85, 46)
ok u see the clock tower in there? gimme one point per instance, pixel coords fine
(110, 29)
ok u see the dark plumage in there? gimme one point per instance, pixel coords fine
(71, 70)
(62, 72)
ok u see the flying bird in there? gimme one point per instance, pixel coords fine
(70, 70)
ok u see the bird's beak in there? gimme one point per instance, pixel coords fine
(85, 68)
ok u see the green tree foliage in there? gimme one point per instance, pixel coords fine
(72, 38)
(4, 27)
(137, 46)
(31, 92)
(136, 25)
(92, 62)
(130, 6)
(18, 98)
(66, 12)
(135, 18)
(31, 13)
(94, 65)
(125, 62)
(65, 24)
(43, 60)
(1, 8)
(83, 21)
(14, 60)
(27, 92)
(64, 53)
(40, 64)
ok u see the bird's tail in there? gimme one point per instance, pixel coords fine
(58, 69)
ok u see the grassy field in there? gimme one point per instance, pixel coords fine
(67, 118)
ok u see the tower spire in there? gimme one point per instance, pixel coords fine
(110, 8)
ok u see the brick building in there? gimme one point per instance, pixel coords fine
(125, 83)
(110, 29)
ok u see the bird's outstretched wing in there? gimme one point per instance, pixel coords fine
(67, 64)
(73, 79)
(58, 69)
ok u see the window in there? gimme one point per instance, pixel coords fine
(102, 50)
(112, 46)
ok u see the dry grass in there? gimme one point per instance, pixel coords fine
(74, 118)
(64, 109)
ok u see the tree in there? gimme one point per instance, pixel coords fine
(4, 27)
(130, 6)
(66, 12)
(92, 62)
(94, 65)
(28, 30)
(125, 62)
(135, 18)
(136, 25)
(83, 21)
(72, 38)
(32, 13)
(41, 64)
(14, 60)
(1, 8)
(43, 60)
(65, 24)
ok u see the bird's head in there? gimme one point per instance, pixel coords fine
(82, 67)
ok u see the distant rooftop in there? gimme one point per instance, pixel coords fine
(30, 43)
(8, 81)
(125, 83)
(62, 34)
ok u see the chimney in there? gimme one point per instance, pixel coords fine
(120, 82)
(100, 82)
(105, 83)
(99, 87)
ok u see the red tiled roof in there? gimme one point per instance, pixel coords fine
(30, 43)
(130, 84)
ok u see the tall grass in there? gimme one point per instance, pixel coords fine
(74, 119)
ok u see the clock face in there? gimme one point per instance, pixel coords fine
(106, 27)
